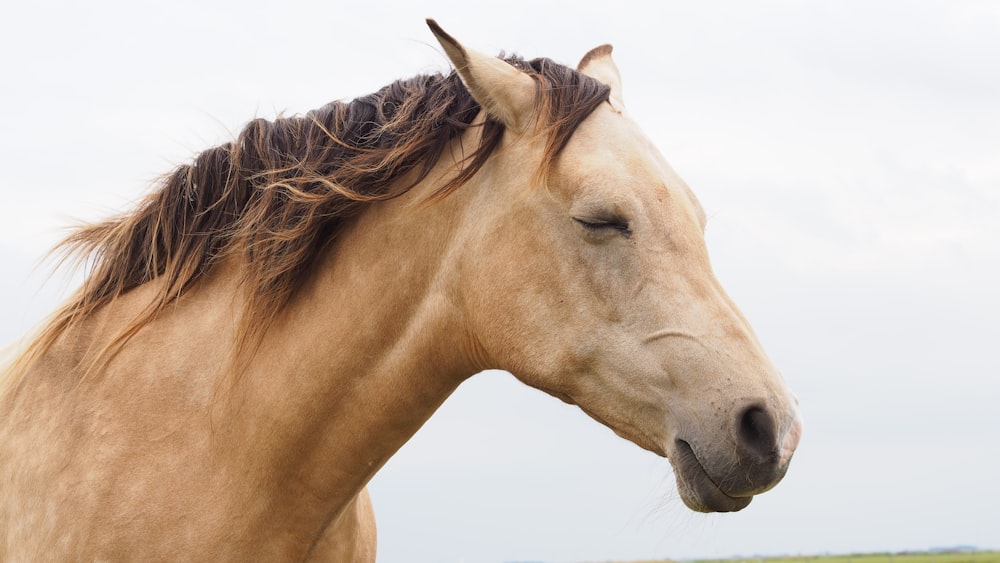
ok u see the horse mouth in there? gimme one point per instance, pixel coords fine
(698, 491)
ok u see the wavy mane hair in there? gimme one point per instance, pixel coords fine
(278, 194)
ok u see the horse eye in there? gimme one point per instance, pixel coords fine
(596, 225)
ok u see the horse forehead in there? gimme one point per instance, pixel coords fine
(610, 154)
(608, 147)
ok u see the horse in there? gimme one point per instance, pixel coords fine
(279, 316)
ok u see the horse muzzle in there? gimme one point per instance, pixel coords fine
(726, 479)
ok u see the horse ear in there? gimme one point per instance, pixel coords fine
(598, 64)
(506, 93)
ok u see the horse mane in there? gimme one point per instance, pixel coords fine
(277, 195)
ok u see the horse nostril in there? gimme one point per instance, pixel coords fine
(757, 433)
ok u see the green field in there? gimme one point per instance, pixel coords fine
(944, 557)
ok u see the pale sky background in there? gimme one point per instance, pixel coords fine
(848, 154)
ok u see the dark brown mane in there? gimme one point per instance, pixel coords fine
(279, 193)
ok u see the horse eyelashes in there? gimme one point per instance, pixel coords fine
(595, 225)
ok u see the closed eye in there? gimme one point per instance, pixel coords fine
(598, 225)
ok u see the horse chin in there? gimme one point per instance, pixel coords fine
(697, 489)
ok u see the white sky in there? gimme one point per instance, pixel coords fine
(848, 154)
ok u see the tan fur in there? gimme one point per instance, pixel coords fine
(351, 537)
(589, 280)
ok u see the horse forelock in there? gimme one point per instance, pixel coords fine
(277, 195)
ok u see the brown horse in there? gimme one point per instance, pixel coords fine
(266, 329)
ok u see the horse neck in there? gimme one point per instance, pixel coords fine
(368, 349)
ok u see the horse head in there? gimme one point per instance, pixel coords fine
(594, 251)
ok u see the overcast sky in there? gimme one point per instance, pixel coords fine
(847, 153)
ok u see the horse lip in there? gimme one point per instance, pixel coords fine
(698, 491)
